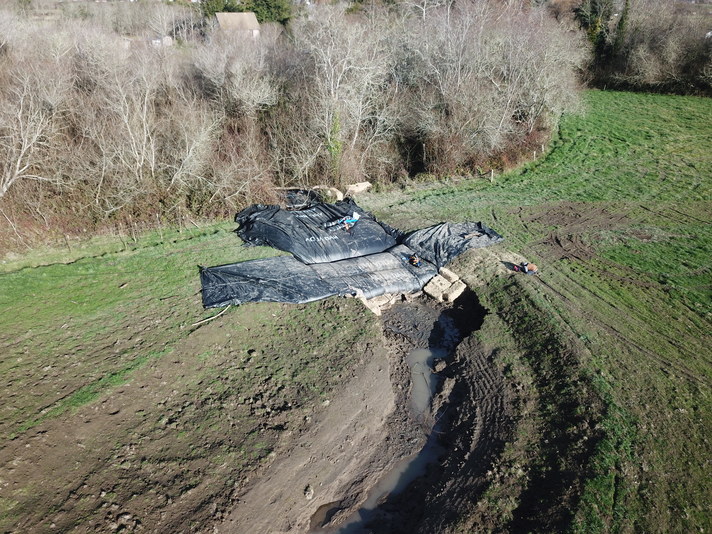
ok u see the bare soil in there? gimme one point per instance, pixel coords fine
(574, 223)
(326, 474)
(208, 438)
(474, 422)
(144, 459)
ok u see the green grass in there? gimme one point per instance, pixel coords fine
(106, 339)
(617, 215)
(627, 188)
(56, 316)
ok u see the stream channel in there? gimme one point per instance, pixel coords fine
(448, 330)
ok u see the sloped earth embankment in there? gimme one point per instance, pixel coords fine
(368, 429)
(517, 426)
(475, 420)
(213, 438)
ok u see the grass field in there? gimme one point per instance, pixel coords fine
(117, 405)
(617, 216)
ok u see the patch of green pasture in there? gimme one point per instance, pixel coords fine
(77, 248)
(647, 354)
(641, 304)
(675, 252)
(89, 285)
(69, 325)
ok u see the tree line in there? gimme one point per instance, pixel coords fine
(649, 45)
(95, 128)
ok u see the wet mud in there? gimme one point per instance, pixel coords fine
(456, 400)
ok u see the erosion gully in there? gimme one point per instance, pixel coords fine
(432, 332)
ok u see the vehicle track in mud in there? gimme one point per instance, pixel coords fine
(665, 363)
(301, 494)
(475, 424)
(574, 222)
(474, 420)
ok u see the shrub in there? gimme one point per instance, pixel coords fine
(105, 127)
(655, 45)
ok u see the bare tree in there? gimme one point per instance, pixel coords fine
(232, 71)
(188, 141)
(33, 100)
(344, 88)
(658, 46)
(424, 7)
(483, 78)
(25, 125)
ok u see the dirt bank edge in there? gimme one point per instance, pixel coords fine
(536, 483)
(520, 423)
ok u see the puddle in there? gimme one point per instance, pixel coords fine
(424, 383)
(422, 379)
(397, 480)
(323, 515)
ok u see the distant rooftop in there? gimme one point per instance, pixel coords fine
(238, 21)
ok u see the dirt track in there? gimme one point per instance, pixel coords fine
(474, 422)
(343, 446)
(327, 472)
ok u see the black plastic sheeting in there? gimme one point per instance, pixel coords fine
(315, 234)
(286, 279)
(442, 243)
(335, 253)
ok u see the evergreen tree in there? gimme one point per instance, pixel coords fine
(594, 16)
(269, 10)
(210, 7)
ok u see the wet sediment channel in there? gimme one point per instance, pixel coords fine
(425, 336)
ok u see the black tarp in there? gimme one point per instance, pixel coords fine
(286, 279)
(442, 243)
(369, 258)
(313, 235)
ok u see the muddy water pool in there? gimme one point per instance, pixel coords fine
(424, 383)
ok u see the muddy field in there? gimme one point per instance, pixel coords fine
(111, 466)
(577, 400)
(317, 418)
(318, 429)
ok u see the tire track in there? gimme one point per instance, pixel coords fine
(475, 423)
(575, 310)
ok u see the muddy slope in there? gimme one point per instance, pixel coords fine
(474, 422)
(362, 434)
(475, 426)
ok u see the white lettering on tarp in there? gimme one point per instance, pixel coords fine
(310, 213)
(325, 238)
